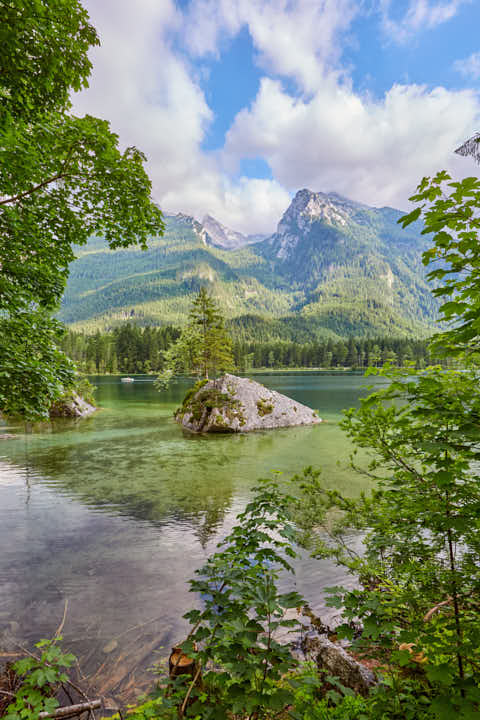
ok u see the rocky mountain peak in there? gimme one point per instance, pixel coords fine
(308, 206)
(197, 227)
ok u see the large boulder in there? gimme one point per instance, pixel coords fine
(234, 404)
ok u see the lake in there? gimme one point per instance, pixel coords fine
(115, 512)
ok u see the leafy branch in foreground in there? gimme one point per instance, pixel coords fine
(419, 573)
(41, 678)
(450, 212)
(418, 598)
(241, 666)
(243, 612)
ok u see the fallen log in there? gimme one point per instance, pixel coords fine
(71, 710)
(337, 662)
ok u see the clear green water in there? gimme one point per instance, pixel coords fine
(115, 512)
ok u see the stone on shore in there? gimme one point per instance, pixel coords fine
(234, 404)
(73, 406)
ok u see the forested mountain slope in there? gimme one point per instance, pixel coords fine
(333, 268)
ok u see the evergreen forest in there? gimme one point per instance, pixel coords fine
(132, 349)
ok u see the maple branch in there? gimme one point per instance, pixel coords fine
(58, 176)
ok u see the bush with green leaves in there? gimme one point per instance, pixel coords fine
(41, 678)
(241, 669)
(311, 700)
(418, 598)
(233, 638)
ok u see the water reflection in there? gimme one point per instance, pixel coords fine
(117, 511)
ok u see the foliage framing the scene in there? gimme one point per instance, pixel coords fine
(63, 179)
(418, 599)
(239, 668)
(450, 211)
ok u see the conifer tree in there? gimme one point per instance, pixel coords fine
(214, 350)
(204, 347)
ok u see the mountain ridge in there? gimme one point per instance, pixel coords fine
(332, 262)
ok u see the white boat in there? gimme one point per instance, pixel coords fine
(127, 379)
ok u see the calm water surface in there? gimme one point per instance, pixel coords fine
(115, 512)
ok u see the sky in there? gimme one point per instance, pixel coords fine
(238, 104)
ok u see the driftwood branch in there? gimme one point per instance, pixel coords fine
(60, 627)
(71, 710)
(437, 607)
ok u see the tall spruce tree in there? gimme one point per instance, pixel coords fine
(214, 351)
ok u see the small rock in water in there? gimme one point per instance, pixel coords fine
(110, 647)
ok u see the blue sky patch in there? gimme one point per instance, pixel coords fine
(231, 84)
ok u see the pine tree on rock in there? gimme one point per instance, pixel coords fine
(215, 347)
(204, 347)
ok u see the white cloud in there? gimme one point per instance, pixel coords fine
(330, 138)
(470, 66)
(249, 205)
(150, 94)
(371, 151)
(295, 38)
(420, 15)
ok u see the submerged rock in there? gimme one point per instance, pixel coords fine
(234, 404)
(72, 407)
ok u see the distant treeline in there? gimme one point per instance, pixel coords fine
(131, 349)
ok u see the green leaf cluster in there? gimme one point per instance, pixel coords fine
(234, 638)
(41, 678)
(450, 214)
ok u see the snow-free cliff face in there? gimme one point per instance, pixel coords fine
(306, 209)
(197, 227)
(343, 254)
(222, 236)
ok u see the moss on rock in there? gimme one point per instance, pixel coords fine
(264, 407)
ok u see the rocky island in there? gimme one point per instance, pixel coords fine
(234, 404)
